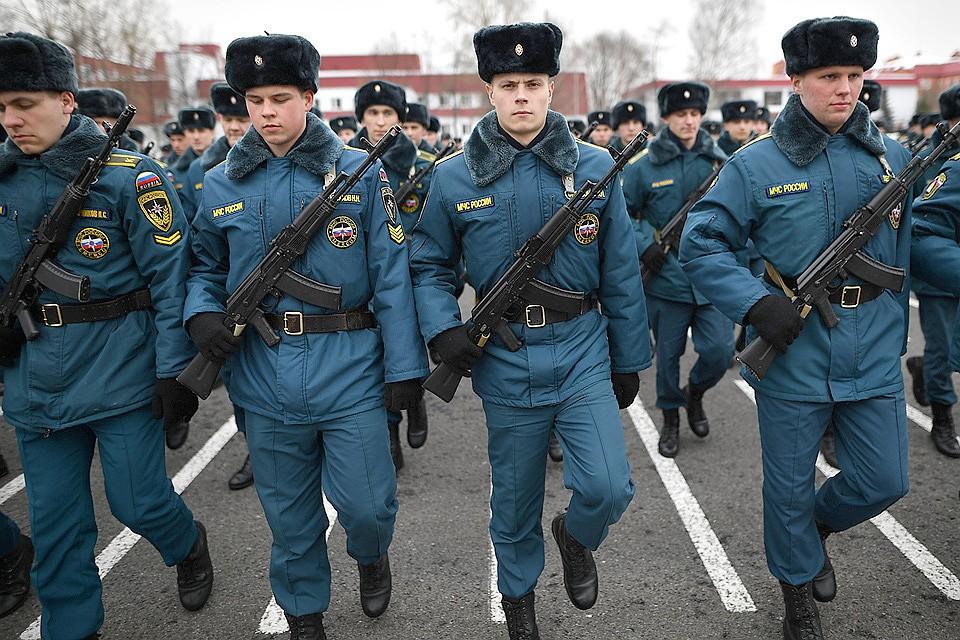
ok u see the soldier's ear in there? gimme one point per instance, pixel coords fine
(795, 82)
(489, 88)
(68, 102)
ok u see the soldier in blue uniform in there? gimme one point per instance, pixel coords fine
(415, 127)
(379, 105)
(433, 133)
(871, 95)
(16, 556)
(603, 132)
(198, 124)
(656, 183)
(790, 192)
(761, 122)
(104, 105)
(345, 127)
(628, 118)
(738, 119)
(574, 368)
(177, 141)
(100, 374)
(314, 404)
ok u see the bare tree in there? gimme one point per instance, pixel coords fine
(468, 16)
(613, 62)
(721, 37)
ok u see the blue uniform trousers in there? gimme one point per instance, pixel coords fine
(9, 534)
(349, 459)
(56, 467)
(712, 340)
(595, 468)
(872, 450)
(938, 316)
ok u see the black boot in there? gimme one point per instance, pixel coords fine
(15, 576)
(376, 585)
(177, 434)
(828, 446)
(579, 569)
(696, 416)
(521, 618)
(4, 469)
(553, 448)
(308, 627)
(195, 573)
(801, 620)
(243, 478)
(943, 432)
(395, 451)
(670, 434)
(417, 425)
(915, 367)
(825, 582)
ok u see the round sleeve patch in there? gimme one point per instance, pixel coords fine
(587, 228)
(92, 243)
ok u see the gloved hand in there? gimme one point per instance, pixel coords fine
(213, 339)
(173, 402)
(403, 395)
(625, 388)
(456, 349)
(653, 258)
(776, 320)
(11, 339)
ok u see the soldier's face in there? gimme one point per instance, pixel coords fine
(279, 114)
(761, 127)
(346, 134)
(234, 127)
(199, 139)
(415, 131)
(35, 120)
(629, 130)
(521, 101)
(601, 135)
(178, 143)
(378, 119)
(829, 93)
(431, 138)
(739, 130)
(684, 124)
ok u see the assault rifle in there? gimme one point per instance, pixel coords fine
(272, 276)
(37, 271)
(586, 134)
(488, 315)
(844, 258)
(407, 187)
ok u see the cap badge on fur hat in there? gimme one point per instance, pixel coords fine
(257, 60)
(686, 94)
(376, 88)
(196, 116)
(233, 99)
(853, 40)
(866, 95)
(630, 107)
(743, 108)
(518, 49)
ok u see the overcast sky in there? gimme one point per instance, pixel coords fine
(906, 28)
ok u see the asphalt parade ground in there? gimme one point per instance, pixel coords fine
(686, 560)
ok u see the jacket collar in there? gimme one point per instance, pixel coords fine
(802, 139)
(317, 151)
(215, 154)
(489, 155)
(665, 148)
(184, 161)
(65, 157)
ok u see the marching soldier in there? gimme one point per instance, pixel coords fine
(656, 183)
(198, 125)
(577, 127)
(871, 95)
(603, 132)
(415, 127)
(628, 118)
(345, 127)
(738, 119)
(573, 369)
(790, 193)
(314, 404)
(433, 133)
(100, 374)
(104, 106)
(178, 141)
(761, 122)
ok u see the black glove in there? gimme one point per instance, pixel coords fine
(173, 402)
(213, 339)
(625, 388)
(11, 339)
(776, 320)
(456, 349)
(654, 258)
(403, 395)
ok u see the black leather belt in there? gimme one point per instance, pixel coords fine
(537, 315)
(848, 296)
(294, 323)
(57, 315)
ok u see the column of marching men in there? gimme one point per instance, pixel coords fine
(165, 244)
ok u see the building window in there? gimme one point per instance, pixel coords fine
(773, 98)
(336, 104)
(444, 100)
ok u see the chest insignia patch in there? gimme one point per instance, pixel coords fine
(156, 208)
(473, 205)
(787, 188)
(342, 232)
(934, 185)
(587, 228)
(389, 204)
(227, 209)
(661, 183)
(92, 243)
(410, 204)
(147, 180)
(895, 215)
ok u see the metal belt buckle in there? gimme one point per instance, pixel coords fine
(843, 297)
(293, 323)
(46, 320)
(529, 316)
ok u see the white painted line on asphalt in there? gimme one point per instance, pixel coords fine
(126, 539)
(273, 621)
(497, 616)
(12, 488)
(729, 586)
(941, 577)
(914, 302)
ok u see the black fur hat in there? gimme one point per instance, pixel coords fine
(738, 110)
(915, 119)
(762, 114)
(627, 110)
(346, 122)
(870, 95)
(172, 128)
(525, 47)
(380, 92)
(197, 118)
(950, 103)
(31, 63)
(712, 127)
(434, 126)
(137, 135)
(825, 42)
(417, 112)
(226, 101)
(101, 102)
(929, 119)
(273, 59)
(577, 126)
(683, 95)
(602, 117)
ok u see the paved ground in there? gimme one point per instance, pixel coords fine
(685, 562)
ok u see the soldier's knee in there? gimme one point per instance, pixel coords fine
(607, 495)
(887, 488)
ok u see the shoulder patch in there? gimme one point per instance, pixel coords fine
(639, 155)
(424, 155)
(155, 207)
(590, 144)
(168, 241)
(123, 160)
(754, 141)
(349, 148)
(956, 157)
(396, 233)
(147, 180)
(934, 186)
(452, 155)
